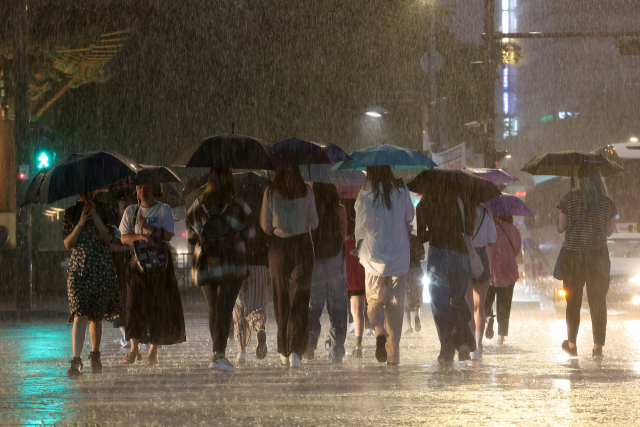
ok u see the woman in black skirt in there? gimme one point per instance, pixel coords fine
(154, 309)
(88, 228)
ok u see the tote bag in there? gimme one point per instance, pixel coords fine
(476, 263)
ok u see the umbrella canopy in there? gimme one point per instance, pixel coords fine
(508, 205)
(398, 158)
(250, 187)
(482, 190)
(77, 174)
(348, 191)
(229, 151)
(497, 176)
(149, 174)
(296, 151)
(325, 173)
(566, 163)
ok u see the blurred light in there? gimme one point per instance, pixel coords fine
(633, 139)
(505, 4)
(547, 118)
(43, 160)
(426, 281)
(184, 234)
(22, 176)
(520, 193)
(562, 115)
(505, 102)
(635, 279)
(636, 300)
(505, 78)
(505, 21)
(562, 293)
(179, 252)
(508, 156)
(373, 114)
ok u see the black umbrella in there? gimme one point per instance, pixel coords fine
(77, 174)
(250, 187)
(296, 152)
(149, 174)
(482, 190)
(566, 163)
(229, 151)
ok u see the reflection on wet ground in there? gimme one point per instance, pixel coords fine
(526, 382)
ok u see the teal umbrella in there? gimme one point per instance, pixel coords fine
(398, 158)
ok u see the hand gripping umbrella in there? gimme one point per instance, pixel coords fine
(481, 190)
(398, 158)
(77, 174)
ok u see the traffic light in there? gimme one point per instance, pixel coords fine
(44, 159)
(492, 157)
(23, 173)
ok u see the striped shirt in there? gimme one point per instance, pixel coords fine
(590, 234)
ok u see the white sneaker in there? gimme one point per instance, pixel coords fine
(241, 358)
(284, 360)
(500, 339)
(476, 355)
(220, 363)
(352, 327)
(123, 342)
(294, 361)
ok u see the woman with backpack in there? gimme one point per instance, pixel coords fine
(588, 216)
(154, 308)
(483, 237)
(503, 256)
(383, 222)
(288, 216)
(218, 225)
(329, 282)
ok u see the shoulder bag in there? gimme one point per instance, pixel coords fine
(146, 258)
(476, 263)
(557, 271)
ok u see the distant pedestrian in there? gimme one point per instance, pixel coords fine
(288, 216)
(484, 236)
(589, 217)
(355, 279)
(441, 222)
(92, 287)
(154, 308)
(219, 226)
(329, 282)
(250, 310)
(503, 257)
(383, 220)
(414, 299)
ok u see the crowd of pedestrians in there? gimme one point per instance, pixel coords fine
(313, 250)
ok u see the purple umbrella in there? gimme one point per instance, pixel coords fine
(508, 205)
(497, 176)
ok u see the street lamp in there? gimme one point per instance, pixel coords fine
(633, 139)
(508, 156)
(375, 111)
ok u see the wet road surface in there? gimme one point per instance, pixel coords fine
(526, 382)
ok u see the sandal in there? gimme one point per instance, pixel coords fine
(152, 360)
(132, 356)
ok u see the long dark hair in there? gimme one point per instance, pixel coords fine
(383, 175)
(591, 185)
(349, 207)
(327, 199)
(219, 188)
(289, 183)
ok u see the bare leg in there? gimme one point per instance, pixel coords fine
(79, 334)
(479, 296)
(135, 342)
(357, 311)
(153, 350)
(95, 331)
(470, 303)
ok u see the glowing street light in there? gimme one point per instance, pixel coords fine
(375, 111)
(633, 139)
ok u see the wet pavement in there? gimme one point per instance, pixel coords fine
(526, 382)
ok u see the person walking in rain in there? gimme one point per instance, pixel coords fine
(383, 222)
(218, 225)
(413, 300)
(504, 274)
(329, 282)
(92, 288)
(154, 308)
(483, 237)
(288, 216)
(441, 222)
(588, 218)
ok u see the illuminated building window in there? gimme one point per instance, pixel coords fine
(505, 21)
(505, 102)
(505, 78)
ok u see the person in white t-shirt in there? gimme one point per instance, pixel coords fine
(484, 235)
(154, 309)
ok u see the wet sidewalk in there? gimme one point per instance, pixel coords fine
(527, 382)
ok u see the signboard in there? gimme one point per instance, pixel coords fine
(453, 158)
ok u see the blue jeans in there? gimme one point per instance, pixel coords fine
(329, 285)
(449, 272)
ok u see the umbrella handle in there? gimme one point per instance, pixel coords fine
(572, 179)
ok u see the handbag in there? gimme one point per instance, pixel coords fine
(147, 257)
(557, 271)
(476, 263)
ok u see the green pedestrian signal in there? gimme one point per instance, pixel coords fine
(44, 160)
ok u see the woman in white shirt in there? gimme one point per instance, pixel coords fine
(383, 216)
(484, 235)
(288, 216)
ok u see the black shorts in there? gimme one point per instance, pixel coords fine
(357, 292)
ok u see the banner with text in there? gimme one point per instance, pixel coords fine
(453, 158)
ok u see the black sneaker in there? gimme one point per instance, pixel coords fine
(261, 349)
(464, 353)
(96, 364)
(489, 330)
(597, 353)
(76, 367)
(573, 352)
(445, 358)
(310, 354)
(418, 325)
(381, 348)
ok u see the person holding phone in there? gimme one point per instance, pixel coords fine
(87, 229)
